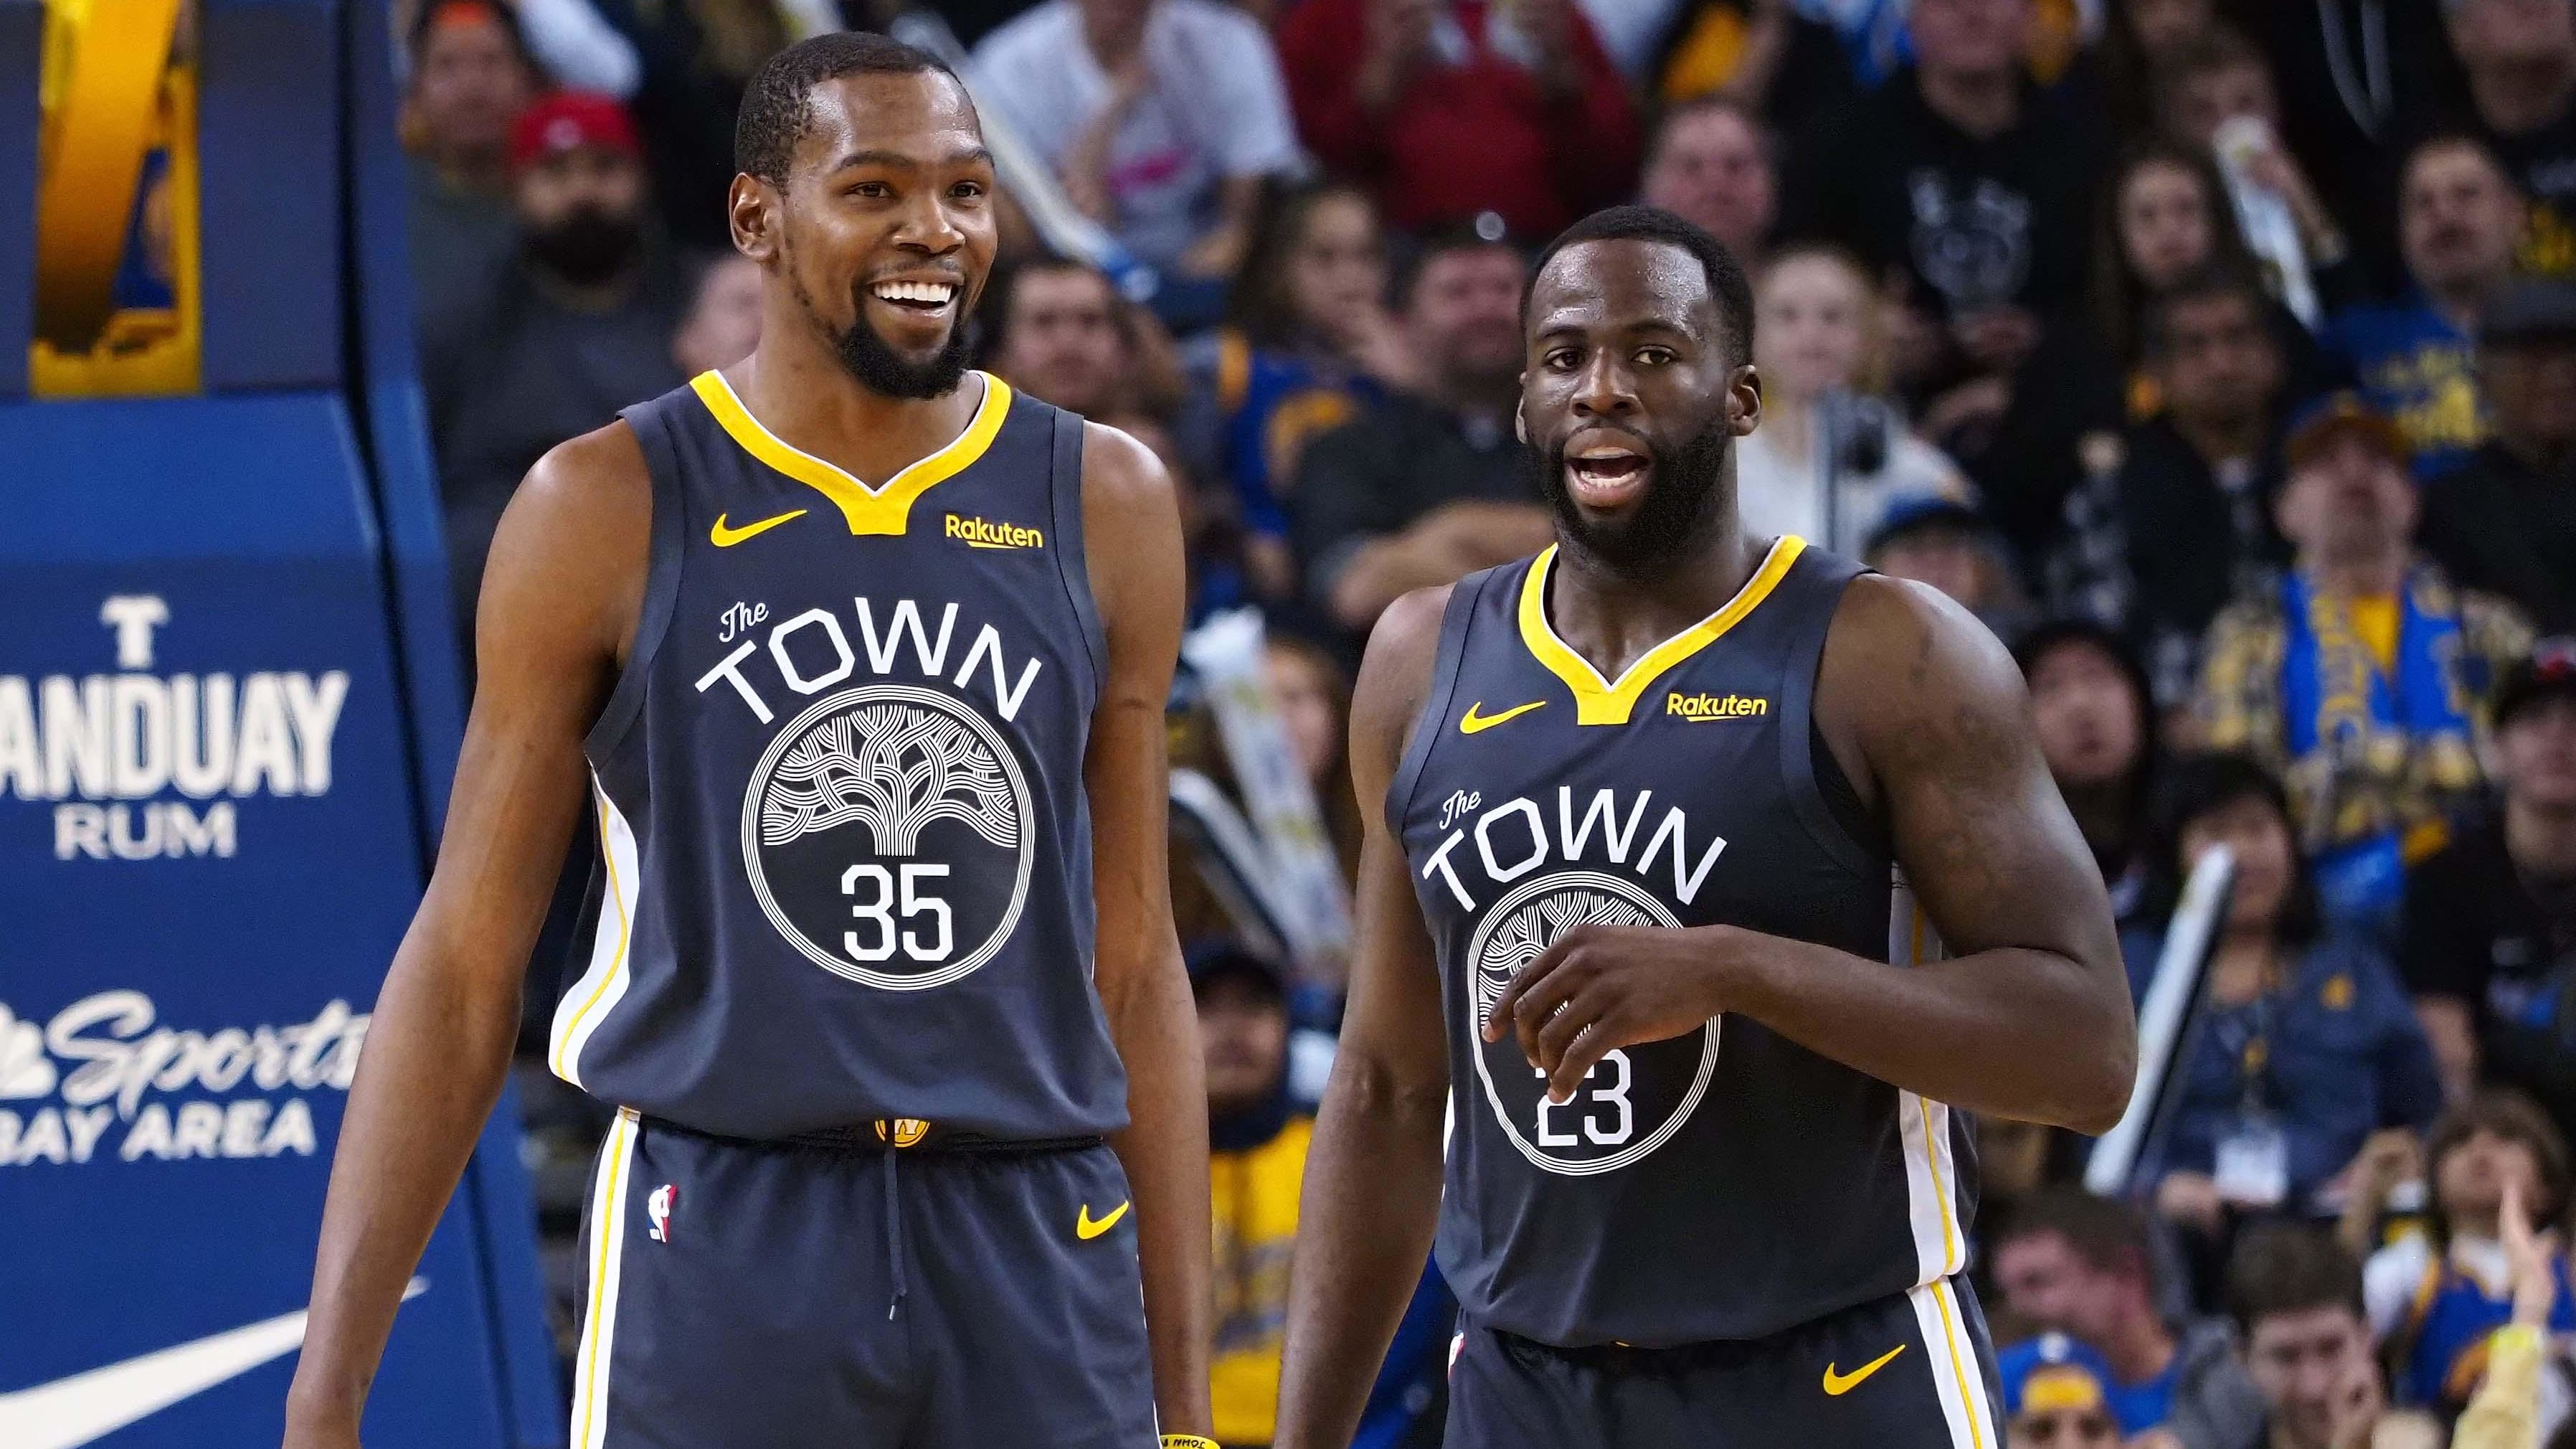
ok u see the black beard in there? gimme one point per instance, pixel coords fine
(877, 366)
(587, 246)
(1675, 517)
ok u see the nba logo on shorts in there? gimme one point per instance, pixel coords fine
(658, 1208)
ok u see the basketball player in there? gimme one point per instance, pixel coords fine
(1707, 1179)
(873, 737)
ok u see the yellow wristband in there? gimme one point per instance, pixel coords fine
(1189, 1441)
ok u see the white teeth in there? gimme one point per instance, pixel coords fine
(937, 293)
(1604, 455)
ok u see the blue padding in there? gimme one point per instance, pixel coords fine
(22, 36)
(246, 477)
(268, 144)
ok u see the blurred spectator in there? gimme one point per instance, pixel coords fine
(2505, 522)
(579, 325)
(1830, 455)
(2096, 722)
(2158, 547)
(2080, 1266)
(1212, 537)
(1715, 164)
(1427, 487)
(2490, 939)
(470, 78)
(1313, 698)
(2217, 98)
(722, 324)
(2507, 1412)
(1950, 546)
(2435, 1297)
(1307, 345)
(2458, 220)
(1055, 336)
(1257, 1144)
(2167, 219)
(2520, 58)
(2359, 674)
(2296, 1297)
(2140, 39)
(697, 56)
(2305, 1046)
(1765, 56)
(1963, 176)
(1445, 108)
(2053, 1396)
(1160, 118)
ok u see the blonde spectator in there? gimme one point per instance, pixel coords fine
(1830, 456)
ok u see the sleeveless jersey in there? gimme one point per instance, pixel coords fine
(1723, 1184)
(846, 854)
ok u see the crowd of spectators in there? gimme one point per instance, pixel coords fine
(2219, 355)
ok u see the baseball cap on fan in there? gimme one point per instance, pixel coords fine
(568, 121)
(2549, 673)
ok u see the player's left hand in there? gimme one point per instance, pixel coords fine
(1603, 987)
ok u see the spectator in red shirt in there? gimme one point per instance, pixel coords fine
(1446, 108)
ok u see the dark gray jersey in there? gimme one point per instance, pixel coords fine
(1728, 1183)
(846, 851)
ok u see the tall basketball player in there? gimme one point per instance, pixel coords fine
(873, 736)
(1670, 815)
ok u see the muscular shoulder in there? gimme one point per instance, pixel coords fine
(1131, 540)
(576, 540)
(1395, 675)
(1908, 674)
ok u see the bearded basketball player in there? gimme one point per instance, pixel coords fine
(874, 742)
(1664, 823)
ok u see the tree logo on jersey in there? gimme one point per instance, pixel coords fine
(1637, 1097)
(889, 836)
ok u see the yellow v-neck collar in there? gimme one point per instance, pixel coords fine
(1599, 701)
(881, 510)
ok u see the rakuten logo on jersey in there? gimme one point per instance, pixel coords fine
(106, 1062)
(116, 748)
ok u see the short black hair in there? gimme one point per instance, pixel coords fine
(1728, 287)
(775, 108)
(1414, 257)
(2214, 280)
(2109, 1235)
(2283, 1267)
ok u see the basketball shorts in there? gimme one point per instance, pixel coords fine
(1915, 1371)
(801, 1295)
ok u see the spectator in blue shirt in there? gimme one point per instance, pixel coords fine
(2306, 1045)
(2460, 220)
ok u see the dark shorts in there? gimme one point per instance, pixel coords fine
(780, 1296)
(1910, 1372)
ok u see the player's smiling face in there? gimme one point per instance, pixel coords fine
(1630, 397)
(886, 227)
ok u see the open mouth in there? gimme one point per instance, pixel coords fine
(1605, 471)
(924, 299)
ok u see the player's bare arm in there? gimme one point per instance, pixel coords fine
(561, 594)
(1372, 1188)
(2029, 1019)
(1132, 540)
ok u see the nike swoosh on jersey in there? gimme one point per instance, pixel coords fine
(1837, 1385)
(1470, 722)
(89, 1406)
(724, 537)
(1086, 1227)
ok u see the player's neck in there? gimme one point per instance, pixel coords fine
(810, 401)
(1613, 616)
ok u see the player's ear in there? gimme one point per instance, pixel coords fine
(1743, 400)
(1520, 419)
(751, 209)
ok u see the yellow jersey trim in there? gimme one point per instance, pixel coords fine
(880, 510)
(1598, 701)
